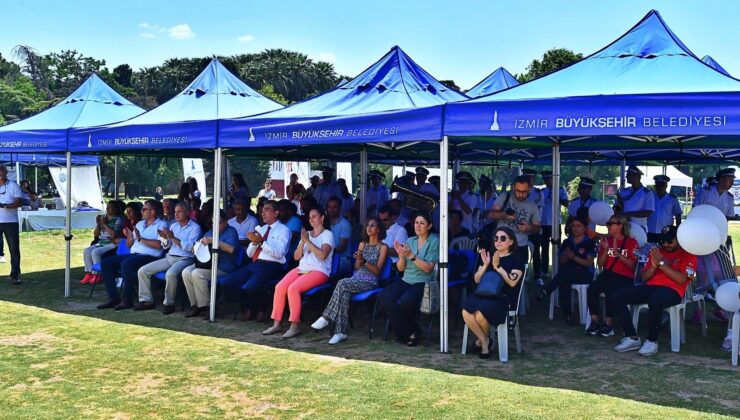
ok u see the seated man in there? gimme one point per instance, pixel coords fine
(181, 237)
(145, 247)
(267, 249)
(667, 274)
(243, 221)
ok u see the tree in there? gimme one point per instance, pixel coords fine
(34, 67)
(123, 75)
(269, 92)
(67, 69)
(451, 84)
(552, 60)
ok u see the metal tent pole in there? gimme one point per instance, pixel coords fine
(216, 220)
(622, 168)
(443, 244)
(115, 177)
(68, 229)
(363, 185)
(555, 194)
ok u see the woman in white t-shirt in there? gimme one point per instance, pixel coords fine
(314, 254)
(267, 192)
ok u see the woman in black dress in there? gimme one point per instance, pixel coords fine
(480, 312)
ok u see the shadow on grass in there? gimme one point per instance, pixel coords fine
(699, 378)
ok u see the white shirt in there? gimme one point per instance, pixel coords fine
(473, 201)
(666, 209)
(376, 197)
(726, 202)
(393, 234)
(326, 191)
(643, 199)
(148, 232)
(577, 203)
(270, 195)
(546, 210)
(187, 235)
(9, 192)
(249, 224)
(276, 245)
(310, 262)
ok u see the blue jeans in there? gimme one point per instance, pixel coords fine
(258, 276)
(401, 302)
(128, 265)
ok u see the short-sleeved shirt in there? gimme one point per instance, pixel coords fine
(188, 235)
(628, 246)
(524, 211)
(342, 230)
(9, 192)
(115, 223)
(725, 202)
(546, 214)
(325, 191)
(584, 249)
(309, 261)
(642, 199)
(249, 224)
(473, 201)
(270, 195)
(666, 208)
(393, 234)
(575, 204)
(226, 261)
(679, 260)
(429, 253)
(376, 197)
(148, 232)
(236, 193)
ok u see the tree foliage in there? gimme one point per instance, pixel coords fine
(551, 61)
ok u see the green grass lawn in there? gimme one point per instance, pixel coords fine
(64, 358)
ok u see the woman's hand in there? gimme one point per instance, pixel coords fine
(485, 257)
(401, 249)
(496, 260)
(357, 255)
(305, 236)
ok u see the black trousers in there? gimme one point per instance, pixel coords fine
(568, 275)
(545, 237)
(401, 301)
(657, 298)
(607, 282)
(536, 262)
(10, 231)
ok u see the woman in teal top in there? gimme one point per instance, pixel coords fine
(416, 260)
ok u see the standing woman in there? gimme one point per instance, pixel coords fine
(369, 261)
(348, 200)
(480, 312)
(238, 189)
(314, 253)
(416, 260)
(194, 192)
(10, 201)
(617, 260)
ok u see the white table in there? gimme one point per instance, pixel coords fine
(43, 219)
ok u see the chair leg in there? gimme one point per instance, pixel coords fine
(735, 336)
(675, 329)
(553, 298)
(92, 289)
(703, 306)
(635, 316)
(464, 349)
(372, 321)
(428, 340)
(387, 329)
(503, 342)
(583, 307)
(517, 338)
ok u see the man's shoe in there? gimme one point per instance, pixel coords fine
(193, 313)
(110, 304)
(144, 306)
(320, 324)
(648, 348)
(593, 328)
(539, 282)
(337, 338)
(606, 331)
(726, 344)
(628, 344)
(168, 309)
(123, 305)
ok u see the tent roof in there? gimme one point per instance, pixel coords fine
(92, 103)
(708, 60)
(187, 120)
(46, 159)
(497, 81)
(394, 83)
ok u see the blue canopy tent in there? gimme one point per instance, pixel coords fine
(497, 81)
(708, 60)
(93, 103)
(45, 159)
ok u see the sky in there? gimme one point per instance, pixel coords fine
(462, 41)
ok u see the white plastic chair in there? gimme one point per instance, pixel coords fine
(735, 336)
(678, 329)
(698, 298)
(502, 331)
(464, 242)
(582, 299)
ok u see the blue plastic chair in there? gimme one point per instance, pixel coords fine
(385, 274)
(328, 285)
(122, 249)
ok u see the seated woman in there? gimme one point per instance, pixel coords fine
(314, 254)
(132, 213)
(107, 233)
(369, 261)
(617, 260)
(480, 312)
(576, 266)
(416, 260)
(28, 196)
(198, 279)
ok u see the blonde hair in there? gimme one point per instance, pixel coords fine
(625, 224)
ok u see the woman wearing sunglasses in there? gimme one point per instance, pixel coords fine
(480, 312)
(617, 261)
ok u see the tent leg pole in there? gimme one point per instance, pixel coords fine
(115, 177)
(216, 220)
(68, 229)
(443, 244)
(36, 179)
(555, 194)
(363, 185)
(622, 168)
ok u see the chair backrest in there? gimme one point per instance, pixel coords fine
(123, 248)
(464, 242)
(521, 288)
(239, 258)
(385, 273)
(335, 264)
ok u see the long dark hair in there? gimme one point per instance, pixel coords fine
(381, 230)
(510, 233)
(238, 180)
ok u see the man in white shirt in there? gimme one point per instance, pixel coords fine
(393, 232)
(243, 221)
(328, 187)
(181, 237)
(636, 201)
(377, 194)
(10, 201)
(719, 195)
(667, 208)
(267, 249)
(465, 200)
(145, 247)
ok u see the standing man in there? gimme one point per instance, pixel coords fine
(547, 223)
(514, 210)
(181, 235)
(487, 192)
(422, 185)
(584, 199)
(377, 193)
(636, 201)
(328, 187)
(666, 209)
(708, 184)
(311, 190)
(719, 195)
(10, 199)
(536, 197)
(465, 200)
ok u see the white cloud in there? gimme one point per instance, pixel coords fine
(147, 35)
(329, 57)
(181, 31)
(246, 38)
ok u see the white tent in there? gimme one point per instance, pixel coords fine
(678, 178)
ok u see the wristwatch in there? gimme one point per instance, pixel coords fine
(661, 263)
(413, 258)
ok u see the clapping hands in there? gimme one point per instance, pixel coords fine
(402, 249)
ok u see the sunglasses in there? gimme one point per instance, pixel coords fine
(667, 241)
(502, 238)
(613, 223)
(372, 225)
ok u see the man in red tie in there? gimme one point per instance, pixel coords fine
(268, 245)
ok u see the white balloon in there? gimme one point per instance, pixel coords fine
(727, 296)
(699, 236)
(713, 214)
(599, 212)
(638, 233)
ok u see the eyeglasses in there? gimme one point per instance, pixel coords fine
(372, 225)
(502, 238)
(613, 223)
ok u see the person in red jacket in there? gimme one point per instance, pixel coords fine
(667, 274)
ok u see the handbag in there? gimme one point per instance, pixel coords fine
(490, 285)
(430, 301)
(204, 265)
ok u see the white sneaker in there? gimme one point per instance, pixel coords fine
(627, 344)
(320, 323)
(726, 344)
(2, 259)
(337, 338)
(648, 348)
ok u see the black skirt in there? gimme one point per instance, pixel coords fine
(494, 309)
